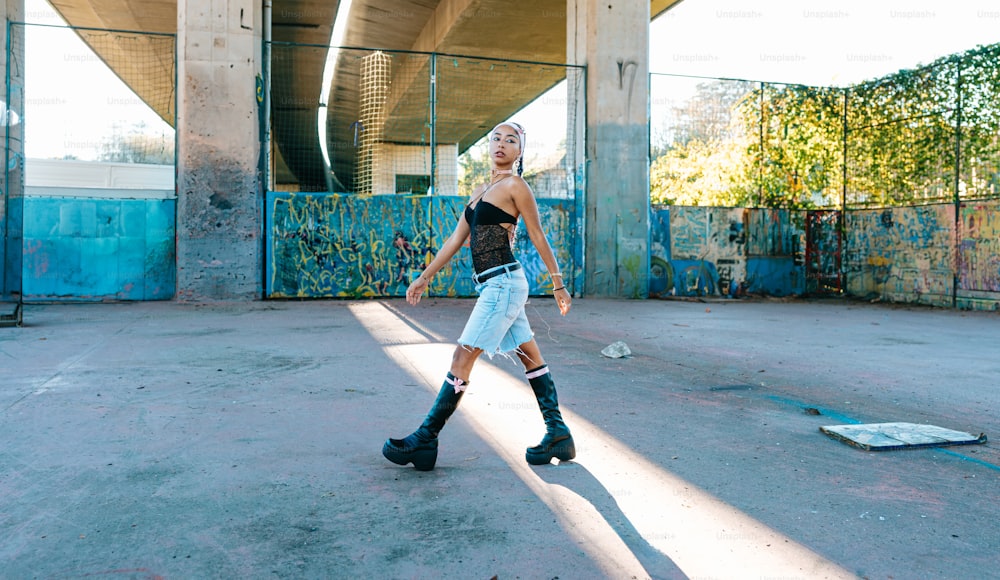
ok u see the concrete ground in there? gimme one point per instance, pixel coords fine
(166, 440)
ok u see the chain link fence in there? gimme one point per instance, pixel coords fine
(89, 176)
(99, 95)
(396, 122)
(929, 135)
(371, 166)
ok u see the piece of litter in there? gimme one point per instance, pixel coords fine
(616, 349)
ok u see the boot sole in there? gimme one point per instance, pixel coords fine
(563, 450)
(422, 459)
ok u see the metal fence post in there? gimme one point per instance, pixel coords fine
(958, 199)
(760, 159)
(842, 228)
(433, 114)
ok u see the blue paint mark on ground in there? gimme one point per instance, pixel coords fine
(844, 419)
(823, 411)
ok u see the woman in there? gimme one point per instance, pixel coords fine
(498, 323)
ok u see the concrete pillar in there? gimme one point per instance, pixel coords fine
(219, 186)
(611, 37)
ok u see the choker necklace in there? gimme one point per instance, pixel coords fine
(496, 172)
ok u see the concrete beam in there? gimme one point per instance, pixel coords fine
(444, 17)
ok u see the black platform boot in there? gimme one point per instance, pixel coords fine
(421, 446)
(558, 442)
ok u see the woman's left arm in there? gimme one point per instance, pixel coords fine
(524, 200)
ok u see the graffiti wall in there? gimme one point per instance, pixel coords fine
(978, 263)
(706, 251)
(661, 279)
(903, 254)
(348, 246)
(326, 245)
(775, 250)
(560, 222)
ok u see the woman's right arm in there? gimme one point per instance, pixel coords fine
(451, 247)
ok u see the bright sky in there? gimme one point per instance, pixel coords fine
(69, 93)
(818, 42)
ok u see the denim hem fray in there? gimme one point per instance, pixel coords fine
(504, 353)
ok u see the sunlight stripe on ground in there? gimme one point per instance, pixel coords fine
(631, 516)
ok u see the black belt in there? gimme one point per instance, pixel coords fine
(480, 278)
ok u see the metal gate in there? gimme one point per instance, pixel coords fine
(824, 275)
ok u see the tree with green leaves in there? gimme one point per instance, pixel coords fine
(701, 162)
(897, 140)
(797, 155)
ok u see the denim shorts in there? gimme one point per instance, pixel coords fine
(498, 324)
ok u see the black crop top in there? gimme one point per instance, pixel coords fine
(489, 241)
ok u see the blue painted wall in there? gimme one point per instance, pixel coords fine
(98, 249)
(775, 253)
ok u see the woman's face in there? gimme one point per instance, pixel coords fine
(505, 146)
